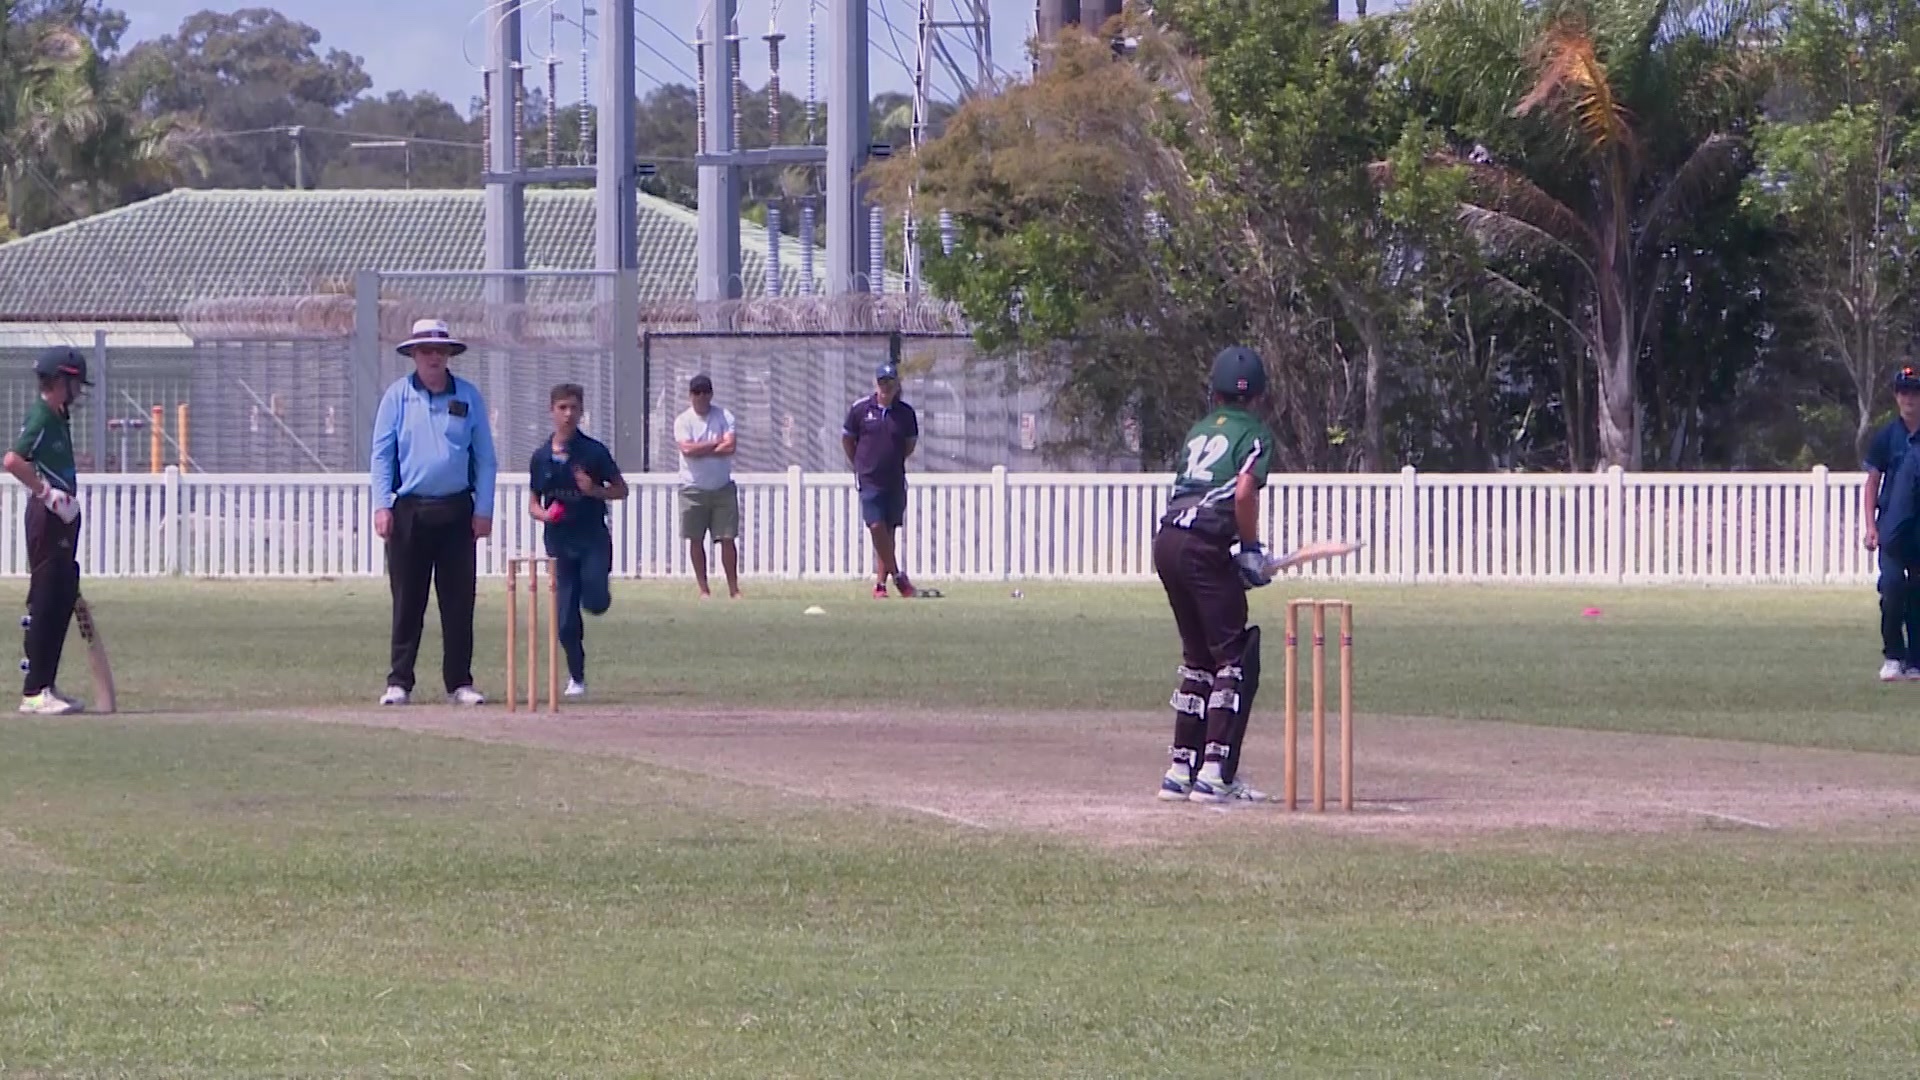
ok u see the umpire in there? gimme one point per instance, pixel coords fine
(434, 471)
(1216, 502)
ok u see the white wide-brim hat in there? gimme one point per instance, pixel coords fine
(432, 332)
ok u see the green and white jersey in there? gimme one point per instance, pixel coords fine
(1225, 443)
(46, 440)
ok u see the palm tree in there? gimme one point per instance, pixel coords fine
(44, 97)
(73, 141)
(1598, 129)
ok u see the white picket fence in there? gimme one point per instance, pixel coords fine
(997, 526)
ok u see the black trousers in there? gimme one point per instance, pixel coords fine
(1204, 590)
(1900, 605)
(431, 546)
(52, 591)
(1209, 603)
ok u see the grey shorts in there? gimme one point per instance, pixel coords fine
(716, 512)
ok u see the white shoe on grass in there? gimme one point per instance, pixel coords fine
(48, 702)
(1892, 671)
(467, 695)
(1209, 788)
(576, 688)
(1175, 785)
(394, 696)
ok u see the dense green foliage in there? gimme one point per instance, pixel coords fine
(1468, 234)
(1479, 234)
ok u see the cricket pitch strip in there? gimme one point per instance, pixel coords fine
(1092, 777)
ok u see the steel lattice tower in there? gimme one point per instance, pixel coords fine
(954, 39)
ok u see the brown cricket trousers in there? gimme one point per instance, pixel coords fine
(1209, 603)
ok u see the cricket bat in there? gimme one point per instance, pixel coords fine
(96, 657)
(1320, 549)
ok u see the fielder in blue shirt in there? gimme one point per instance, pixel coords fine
(1893, 528)
(571, 478)
(434, 473)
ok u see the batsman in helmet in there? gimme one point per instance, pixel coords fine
(41, 459)
(1207, 554)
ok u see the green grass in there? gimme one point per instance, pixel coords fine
(1785, 666)
(240, 898)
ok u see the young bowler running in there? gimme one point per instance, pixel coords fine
(572, 478)
(1216, 503)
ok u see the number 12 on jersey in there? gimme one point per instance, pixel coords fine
(1203, 453)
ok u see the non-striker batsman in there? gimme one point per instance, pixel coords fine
(1207, 553)
(41, 459)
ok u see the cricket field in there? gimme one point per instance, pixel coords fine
(1680, 837)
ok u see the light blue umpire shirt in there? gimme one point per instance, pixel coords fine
(433, 444)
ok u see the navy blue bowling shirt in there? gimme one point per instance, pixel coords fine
(583, 523)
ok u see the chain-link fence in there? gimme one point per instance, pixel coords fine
(291, 383)
(789, 394)
(141, 397)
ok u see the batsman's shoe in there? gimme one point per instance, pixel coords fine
(467, 695)
(1892, 671)
(1175, 786)
(395, 695)
(576, 688)
(1217, 791)
(906, 587)
(880, 590)
(48, 702)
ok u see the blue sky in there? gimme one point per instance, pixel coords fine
(422, 50)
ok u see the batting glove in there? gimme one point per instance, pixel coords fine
(64, 506)
(1252, 561)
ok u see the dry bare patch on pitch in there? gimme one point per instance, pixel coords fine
(1093, 777)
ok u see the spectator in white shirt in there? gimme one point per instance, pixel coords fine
(709, 502)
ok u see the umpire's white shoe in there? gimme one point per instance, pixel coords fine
(1892, 671)
(467, 695)
(395, 695)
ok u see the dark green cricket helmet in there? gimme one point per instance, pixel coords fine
(62, 360)
(1239, 370)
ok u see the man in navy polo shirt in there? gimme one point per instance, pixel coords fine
(1892, 511)
(879, 436)
(572, 477)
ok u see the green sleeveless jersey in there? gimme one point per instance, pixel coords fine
(1225, 443)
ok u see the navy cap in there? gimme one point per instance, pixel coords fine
(700, 384)
(1906, 378)
(886, 371)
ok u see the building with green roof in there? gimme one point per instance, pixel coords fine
(242, 306)
(136, 273)
(133, 271)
